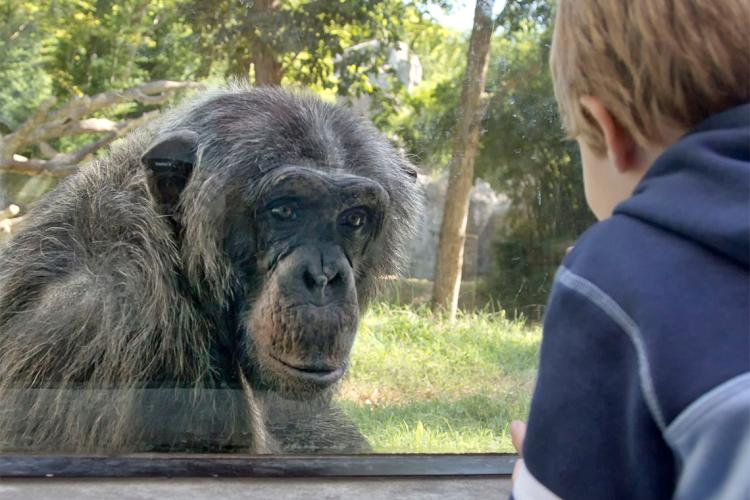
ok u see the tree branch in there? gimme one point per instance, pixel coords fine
(85, 105)
(68, 119)
(11, 211)
(7, 225)
(46, 150)
(64, 164)
(13, 142)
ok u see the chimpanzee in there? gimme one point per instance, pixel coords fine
(199, 287)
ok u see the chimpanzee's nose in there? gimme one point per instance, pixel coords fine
(324, 275)
(312, 282)
(316, 280)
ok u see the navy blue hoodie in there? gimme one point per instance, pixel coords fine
(644, 380)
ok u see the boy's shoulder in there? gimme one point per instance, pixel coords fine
(681, 304)
(644, 330)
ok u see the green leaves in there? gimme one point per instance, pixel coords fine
(23, 82)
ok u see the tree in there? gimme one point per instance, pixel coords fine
(101, 47)
(120, 44)
(298, 39)
(112, 44)
(461, 177)
(425, 121)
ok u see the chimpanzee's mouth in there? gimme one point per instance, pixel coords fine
(318, 373)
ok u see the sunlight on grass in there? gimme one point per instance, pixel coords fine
(422, 384)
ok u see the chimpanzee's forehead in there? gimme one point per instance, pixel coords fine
(307, 178)
(309, 182)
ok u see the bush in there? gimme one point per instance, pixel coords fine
(522, 275)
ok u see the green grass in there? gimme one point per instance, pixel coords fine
(421, 384)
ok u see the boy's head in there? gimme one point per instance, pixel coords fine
(632, 76)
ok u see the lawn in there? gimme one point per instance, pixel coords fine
(420, 384)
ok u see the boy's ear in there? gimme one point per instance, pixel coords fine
(168, 163)
(622, 148)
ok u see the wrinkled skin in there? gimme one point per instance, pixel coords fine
(312, 230)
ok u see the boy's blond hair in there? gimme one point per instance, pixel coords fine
(655, 64)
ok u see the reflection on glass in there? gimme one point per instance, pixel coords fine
(251, 270)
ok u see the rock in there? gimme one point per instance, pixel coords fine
(487, 210)
(406, 65)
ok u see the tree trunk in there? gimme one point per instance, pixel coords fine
(266, 61)
(465, 143)
(267, 66)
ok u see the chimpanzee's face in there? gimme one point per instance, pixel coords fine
(311, 232)
(286, 212)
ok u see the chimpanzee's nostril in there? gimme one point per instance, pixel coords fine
(309, 279)
(335, 279)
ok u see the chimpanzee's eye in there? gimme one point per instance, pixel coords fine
(284, 212)
(355, 218)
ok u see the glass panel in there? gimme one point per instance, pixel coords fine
(254, 271)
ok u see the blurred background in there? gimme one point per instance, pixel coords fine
(462, 88)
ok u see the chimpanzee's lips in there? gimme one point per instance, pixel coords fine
(318, 373)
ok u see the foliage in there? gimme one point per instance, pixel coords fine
(68, 48)
(523, 155)
(307, 37)
(77, 47)
(427, 117)
(420, 383)
(112, 44)
(82, 47)
(24, 83)
(517, 13)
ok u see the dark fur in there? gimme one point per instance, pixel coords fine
(113, 315)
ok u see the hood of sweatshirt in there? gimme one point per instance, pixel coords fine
(699, 188)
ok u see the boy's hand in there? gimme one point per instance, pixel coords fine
(517, 435)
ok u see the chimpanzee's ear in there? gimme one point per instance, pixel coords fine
(168, 163)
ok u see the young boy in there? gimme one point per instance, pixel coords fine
(644, 380)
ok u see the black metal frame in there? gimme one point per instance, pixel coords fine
(248, 466)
